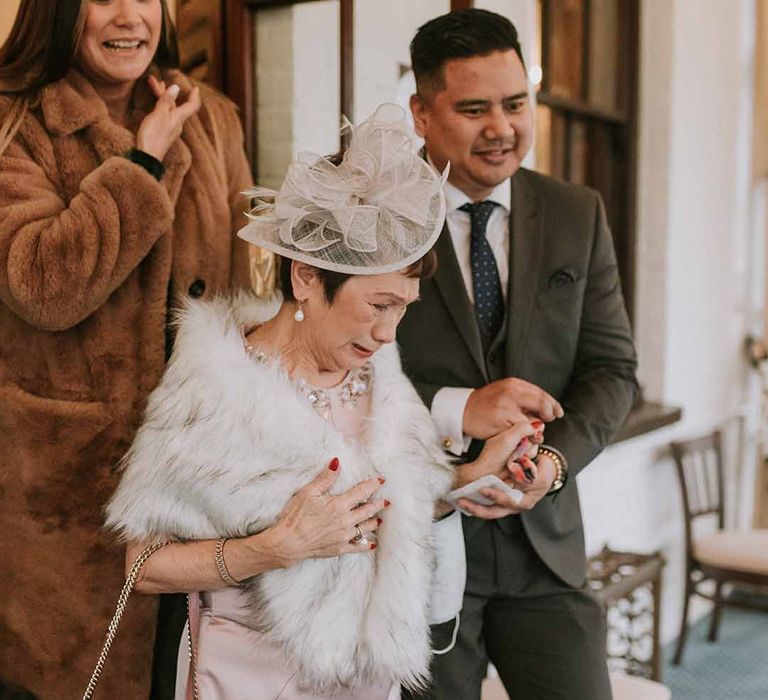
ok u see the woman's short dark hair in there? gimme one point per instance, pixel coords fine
(460, 34)
(423, 268)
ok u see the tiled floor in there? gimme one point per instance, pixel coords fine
(733, 668)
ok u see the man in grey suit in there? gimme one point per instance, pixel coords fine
(523, 319)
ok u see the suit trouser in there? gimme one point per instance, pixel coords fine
(546, 639)
(171, 618)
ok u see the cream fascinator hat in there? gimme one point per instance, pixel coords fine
(379, 210)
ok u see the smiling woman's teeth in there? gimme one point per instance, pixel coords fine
(116, 45)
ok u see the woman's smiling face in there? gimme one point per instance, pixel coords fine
(119, 40)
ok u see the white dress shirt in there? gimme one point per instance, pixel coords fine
(449, 402)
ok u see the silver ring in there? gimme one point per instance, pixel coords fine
(359, 536)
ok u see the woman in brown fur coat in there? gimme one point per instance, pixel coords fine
(117, 192)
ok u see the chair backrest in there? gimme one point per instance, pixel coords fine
(700, 470)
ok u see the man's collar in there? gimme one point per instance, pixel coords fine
(501, 195)
(455, 198)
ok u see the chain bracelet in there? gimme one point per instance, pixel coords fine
(130, 582)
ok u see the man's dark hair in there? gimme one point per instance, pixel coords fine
(460, 34)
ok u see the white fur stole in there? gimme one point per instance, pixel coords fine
(225, 443)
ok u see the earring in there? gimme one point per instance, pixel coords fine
(299, 315)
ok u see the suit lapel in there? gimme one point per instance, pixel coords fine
(450, 285)
(525, 252)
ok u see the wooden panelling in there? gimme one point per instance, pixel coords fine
(198, 25)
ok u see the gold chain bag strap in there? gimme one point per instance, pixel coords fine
(130, 582)
(193, 630)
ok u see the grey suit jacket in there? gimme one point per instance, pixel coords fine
(566, 331)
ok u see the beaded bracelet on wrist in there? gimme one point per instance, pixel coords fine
(561, 466)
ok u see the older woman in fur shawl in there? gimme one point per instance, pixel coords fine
(268, 416)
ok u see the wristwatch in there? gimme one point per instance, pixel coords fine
(561, 466)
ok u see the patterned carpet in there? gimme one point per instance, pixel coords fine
(733, 668)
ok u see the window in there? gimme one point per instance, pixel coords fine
(587, 107)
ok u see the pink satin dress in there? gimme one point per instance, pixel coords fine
(236, 661)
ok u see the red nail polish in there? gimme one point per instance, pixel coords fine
(373, 545)
(379, 521)
(381, 479)
(387, 504)
(334, 465)
(537, 425)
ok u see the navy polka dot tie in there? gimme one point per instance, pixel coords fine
(489, 302)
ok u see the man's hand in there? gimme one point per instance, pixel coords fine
(544, 476)
(498, 405)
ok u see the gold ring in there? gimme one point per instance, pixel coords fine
(359, 536)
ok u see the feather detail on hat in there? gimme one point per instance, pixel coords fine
(379, 210)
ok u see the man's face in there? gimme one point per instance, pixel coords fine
(481, 122)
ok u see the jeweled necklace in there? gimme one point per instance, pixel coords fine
(356, 384)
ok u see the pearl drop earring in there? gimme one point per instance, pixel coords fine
(298, 316)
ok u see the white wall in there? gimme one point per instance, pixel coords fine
(316, 77)
(383, 33)
(297, 72)
(694, 251)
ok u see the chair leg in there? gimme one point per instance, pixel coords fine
(714, 624)
(681, 638)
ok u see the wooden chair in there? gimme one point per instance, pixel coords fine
(721, 557)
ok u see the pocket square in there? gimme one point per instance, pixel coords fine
(561, 277)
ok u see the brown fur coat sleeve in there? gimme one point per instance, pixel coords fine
(60, 260)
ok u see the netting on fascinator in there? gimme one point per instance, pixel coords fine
(379, 210)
